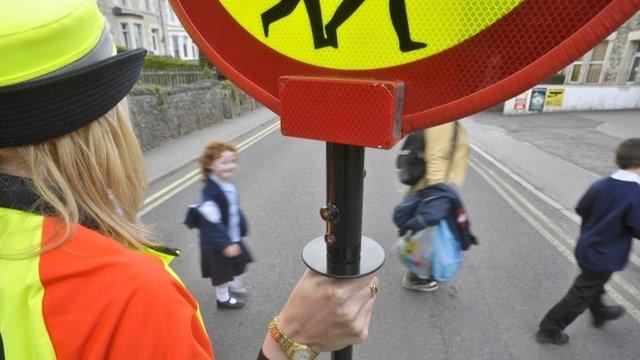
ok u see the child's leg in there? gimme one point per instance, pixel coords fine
(586, 290)
(222, 292)
(225, 300)
(237, 285)
(602, 312)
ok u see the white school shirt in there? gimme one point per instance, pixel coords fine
(209, 209)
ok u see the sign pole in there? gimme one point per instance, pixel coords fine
(345, 178)
(343, 252)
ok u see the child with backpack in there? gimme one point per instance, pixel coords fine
(432, 161)
(223, 254)
(610, 212)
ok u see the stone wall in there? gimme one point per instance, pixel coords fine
(160, 114)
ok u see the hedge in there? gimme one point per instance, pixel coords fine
(155, 62)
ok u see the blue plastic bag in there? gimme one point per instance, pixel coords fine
(446, 253)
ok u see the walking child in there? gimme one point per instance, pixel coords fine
(610, 212)
(222, 225)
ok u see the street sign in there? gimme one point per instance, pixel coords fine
(455, 57)
(357, 73)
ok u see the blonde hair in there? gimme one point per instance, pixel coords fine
(211, 153)
(93, 175)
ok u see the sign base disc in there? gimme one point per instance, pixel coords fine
(372, 257)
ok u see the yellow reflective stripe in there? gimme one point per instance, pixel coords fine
(66, 31)
(22, 325)
(166, 260)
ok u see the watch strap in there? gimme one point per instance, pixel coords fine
(287, 345)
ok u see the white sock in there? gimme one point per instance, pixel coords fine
(222, 293)
(237, 285)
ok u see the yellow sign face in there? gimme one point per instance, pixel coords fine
(363, 35)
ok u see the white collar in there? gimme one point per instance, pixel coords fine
(216, 179)
(220, 182)
(624, 175)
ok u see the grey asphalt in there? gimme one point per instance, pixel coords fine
(560, 154)
(490, 311)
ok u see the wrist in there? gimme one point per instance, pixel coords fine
(272, 350)
(292, 348)
(289, 327)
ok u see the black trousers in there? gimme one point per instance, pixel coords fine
(586, 293)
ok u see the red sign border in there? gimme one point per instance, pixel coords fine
(589, 35)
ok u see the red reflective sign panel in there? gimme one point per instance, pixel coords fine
(454, 57)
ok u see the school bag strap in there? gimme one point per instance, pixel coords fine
(411, 162)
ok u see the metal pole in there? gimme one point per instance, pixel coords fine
(345, 177)
(343, 252)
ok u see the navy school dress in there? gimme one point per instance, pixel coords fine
(221, 224)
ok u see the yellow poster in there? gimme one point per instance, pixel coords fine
(554, 97)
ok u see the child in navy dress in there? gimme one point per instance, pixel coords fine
(610, 212)
(222, 225)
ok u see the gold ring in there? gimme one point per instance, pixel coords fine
(373, 288)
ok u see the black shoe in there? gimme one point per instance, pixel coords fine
(413, 282)
(232, 303)
(607, 313)
(559, 339)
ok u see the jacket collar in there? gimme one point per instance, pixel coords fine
(624, 175)
(18, 193)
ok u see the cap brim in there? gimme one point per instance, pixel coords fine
(43, 109)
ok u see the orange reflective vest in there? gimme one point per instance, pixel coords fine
(91, 298)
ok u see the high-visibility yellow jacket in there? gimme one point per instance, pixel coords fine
(90, 298)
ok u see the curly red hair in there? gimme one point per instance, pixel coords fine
(212, 152)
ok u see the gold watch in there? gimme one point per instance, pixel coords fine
(294, 350)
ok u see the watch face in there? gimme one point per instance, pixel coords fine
(302, 354)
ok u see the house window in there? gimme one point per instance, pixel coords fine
(596, 63)
(175, 44)
(185, 47)
(194, 48)
(138, 35)
(155, 40)
(173, 19)
(145, 5)
(575, 71)
(126, 35)
(635, 64)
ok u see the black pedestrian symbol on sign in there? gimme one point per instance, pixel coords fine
(327, 35)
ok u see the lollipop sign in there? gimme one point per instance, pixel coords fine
(453, 57)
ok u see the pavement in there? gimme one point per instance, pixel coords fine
(168, 158)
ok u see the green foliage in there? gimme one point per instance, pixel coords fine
(155, 62)
(158, 91)
(203, 61)
(233, 90)
(555, 79)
